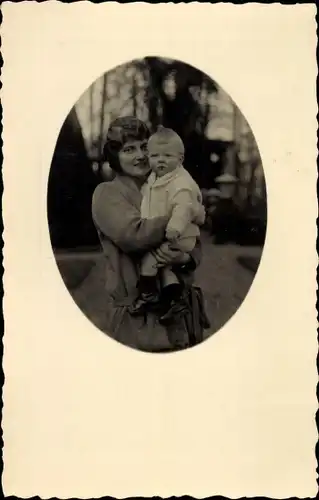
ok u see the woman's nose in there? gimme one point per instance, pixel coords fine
(139, 153)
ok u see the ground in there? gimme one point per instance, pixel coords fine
(224, 280)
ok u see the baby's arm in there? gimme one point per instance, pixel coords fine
(182, 213)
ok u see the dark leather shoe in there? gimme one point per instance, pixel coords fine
(177, 308)
(144, 303)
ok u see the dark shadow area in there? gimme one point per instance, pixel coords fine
(229, 224)
(248, 262)
(75, 267)
(70, 187)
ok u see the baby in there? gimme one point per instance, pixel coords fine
(169, 190)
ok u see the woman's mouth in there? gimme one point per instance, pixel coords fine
(141, 164)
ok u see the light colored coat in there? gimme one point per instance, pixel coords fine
(125, 237)
(176, 195)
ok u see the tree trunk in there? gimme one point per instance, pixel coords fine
(70, 187)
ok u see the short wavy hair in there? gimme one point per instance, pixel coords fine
(122, 130)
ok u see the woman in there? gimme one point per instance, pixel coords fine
(125, 237)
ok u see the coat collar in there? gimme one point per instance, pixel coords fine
(163, 181)
(130, 187)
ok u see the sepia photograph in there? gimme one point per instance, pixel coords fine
(159, 250)
(157, 205)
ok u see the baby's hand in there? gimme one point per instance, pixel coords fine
(199, 215)
(172, 234)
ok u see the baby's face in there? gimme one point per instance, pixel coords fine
(163, 159)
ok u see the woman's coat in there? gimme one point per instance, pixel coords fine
(125, 237)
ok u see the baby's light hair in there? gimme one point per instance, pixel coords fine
(167, 136)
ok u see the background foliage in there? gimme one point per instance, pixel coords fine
(216, 135)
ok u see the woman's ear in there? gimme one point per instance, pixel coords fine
(106, 171)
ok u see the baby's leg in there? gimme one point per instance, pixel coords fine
(172, 288)
(147, 288)
(168, 277)
(171, 295)
(181, 249)
(148, 275)
(179, 252)
(185, 244)
(149, 265)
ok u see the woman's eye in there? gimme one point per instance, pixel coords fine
(128, 150)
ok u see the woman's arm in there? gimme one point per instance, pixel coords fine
(120, 221)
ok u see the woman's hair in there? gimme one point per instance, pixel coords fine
(120, 131)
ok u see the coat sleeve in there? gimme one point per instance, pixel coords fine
(182, 210)
(120, 221)
(187, 207)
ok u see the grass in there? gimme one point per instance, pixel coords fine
(225, 276)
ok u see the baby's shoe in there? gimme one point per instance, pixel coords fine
(144, 303)
(177, 308)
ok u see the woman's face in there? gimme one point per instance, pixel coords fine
(133, 159)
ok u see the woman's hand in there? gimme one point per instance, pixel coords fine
(167, 256)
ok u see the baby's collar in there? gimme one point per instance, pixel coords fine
(165, 178)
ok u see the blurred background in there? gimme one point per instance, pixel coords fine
(217, 138)
(220, 153)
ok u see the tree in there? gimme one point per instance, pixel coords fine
(70, 187)
(182, 111)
